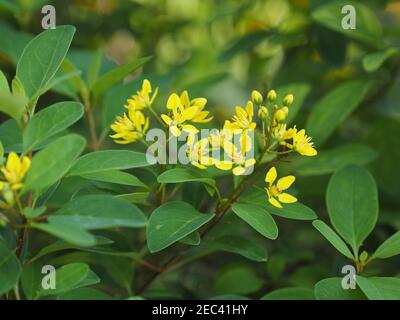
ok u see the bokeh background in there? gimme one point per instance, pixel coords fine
(222, 50)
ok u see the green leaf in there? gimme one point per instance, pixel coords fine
(380, 288)
(258, 218)
(333, 159)
(333, 238)
(192, 239)
(42, 57)
(67, 231)
(31, 279)
(99, 212)
(172, 222)
(112, 77)
(390, 248)
(34, 212)
(235, 244)
(296, 211)
(12, 105)
(10, 268)
(11, 136)
(65, 245)
(115, 176)
(368, 28)
(53, 162)
(295, 293)
(331, 289)
(110, 160)
(69, 277)
(237, 279)
(333, 108)
(300, 92)
(374, 61)
(4, 88)
(180, 175)
(136, 197)
(352, 201)
(50, 121)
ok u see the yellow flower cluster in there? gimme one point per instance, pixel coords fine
(233, 140)
(132, 126)
(13, 172)
(290, 138)
(183, 111)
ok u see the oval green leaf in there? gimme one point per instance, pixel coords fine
(49, 122)
(352, 201)
(110, 160)
(333, 238)
(390, 248)
(10, 268)
(53, 162)
(42, 57)
(172, 222)
(380, 288)
(258, 218)
(99, 212)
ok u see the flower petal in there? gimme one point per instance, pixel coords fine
(285, 182)
(274, 202)
(166, 119)
(270, 177)
(286, 198)
(238, 171)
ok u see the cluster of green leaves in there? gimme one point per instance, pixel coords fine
(95, 215)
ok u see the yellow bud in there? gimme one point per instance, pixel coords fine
(285, 110)
(257, 97)
(262, 113)
(280, 115)
(288, 100)
(272, 95)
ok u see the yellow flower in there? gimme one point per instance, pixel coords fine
(300, 142)
(238, 160)
(130, 128)
(182, 110)
(200, 115)
(274, 191)
(14, 171)
(198, 153)
(243, 118)
(142, 98)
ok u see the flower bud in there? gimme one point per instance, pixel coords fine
(288, 100)
(263, 113)
(280, 115)
(272, 95)
(363, 256)
(285, 110)
(257, 97)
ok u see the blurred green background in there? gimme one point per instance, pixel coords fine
(222, 50)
